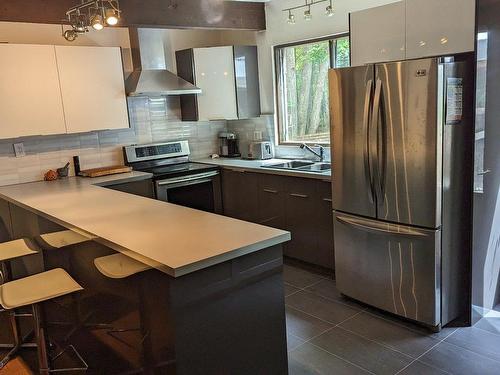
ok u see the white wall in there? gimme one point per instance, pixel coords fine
(279, 31)
(36, 33)
(164, 40)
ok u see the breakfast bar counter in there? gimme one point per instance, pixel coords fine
(173, 239)
(211, 300)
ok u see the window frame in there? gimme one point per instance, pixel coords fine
(278, 79)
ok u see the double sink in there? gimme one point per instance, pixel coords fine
(302, 166)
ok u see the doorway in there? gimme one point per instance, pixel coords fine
(486, 236)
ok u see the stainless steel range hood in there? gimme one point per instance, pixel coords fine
(150, 76)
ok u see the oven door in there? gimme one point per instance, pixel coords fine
(201, 191)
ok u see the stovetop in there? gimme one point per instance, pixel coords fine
(179, 169)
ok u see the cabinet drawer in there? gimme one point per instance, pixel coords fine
(272, 200)
(240, 194)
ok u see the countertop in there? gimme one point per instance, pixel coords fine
(174, 239)
(257, 166)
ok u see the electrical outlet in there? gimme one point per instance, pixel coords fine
(257, 135)
(19, 150)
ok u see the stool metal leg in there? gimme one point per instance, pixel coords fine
(17, 340)
(41, 340)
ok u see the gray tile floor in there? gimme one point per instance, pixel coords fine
(328, 334)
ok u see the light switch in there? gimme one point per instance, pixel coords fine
(19, 150)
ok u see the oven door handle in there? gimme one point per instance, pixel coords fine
(197, 178)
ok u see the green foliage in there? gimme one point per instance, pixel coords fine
(315, 53)
(303, 64)
(342, 53)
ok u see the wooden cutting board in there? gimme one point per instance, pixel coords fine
(105, 171)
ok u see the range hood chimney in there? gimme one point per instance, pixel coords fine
(150, 76)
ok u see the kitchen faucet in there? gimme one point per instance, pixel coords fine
(320, 154)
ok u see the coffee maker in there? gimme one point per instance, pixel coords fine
(228, 145)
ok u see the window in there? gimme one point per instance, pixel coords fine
(302, 87)
(481, 74)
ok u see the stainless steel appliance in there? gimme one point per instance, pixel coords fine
(401, 142)
(176, 179)
(260, 150)
(228, 145)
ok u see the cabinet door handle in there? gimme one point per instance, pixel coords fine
(299, 195)
(327, 199)
(271, 191)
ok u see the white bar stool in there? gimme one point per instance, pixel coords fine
(61, 239)
(11, 250)
(32, 290)
(120, 266)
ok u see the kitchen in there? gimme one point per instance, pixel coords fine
(220, 242)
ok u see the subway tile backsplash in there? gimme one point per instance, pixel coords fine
(264, 125)
(151, 120)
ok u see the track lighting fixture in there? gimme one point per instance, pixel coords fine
(329, 11)
(95, 13)
(307, 14)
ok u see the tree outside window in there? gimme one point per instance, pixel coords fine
(302, 71)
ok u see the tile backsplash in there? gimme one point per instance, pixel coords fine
(151, 120)
(264, 125)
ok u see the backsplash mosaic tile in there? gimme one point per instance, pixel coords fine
(151, 120)
(246, 129)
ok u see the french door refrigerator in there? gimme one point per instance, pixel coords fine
(402, 163)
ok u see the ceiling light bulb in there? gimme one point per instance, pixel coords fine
(111, 17)
(96, 22)
(80, 26)
(70, 35)
(329, 11)
(307, 14)
(291, 19)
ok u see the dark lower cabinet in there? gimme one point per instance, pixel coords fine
(325, 224)
(240, 194)
(302, 206)
(143, 188)
(271, 200)
(301, 219)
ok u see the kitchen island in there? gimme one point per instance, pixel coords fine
(213, 300)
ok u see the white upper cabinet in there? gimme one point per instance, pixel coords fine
(439, 27)
(378, 34)
(412, 29)
(214, 69)
(30, 99)
(92, 88)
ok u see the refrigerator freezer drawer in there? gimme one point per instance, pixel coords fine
(393, 267)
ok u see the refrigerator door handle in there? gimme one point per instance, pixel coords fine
(381, 228)
(374, 148)
(366, 148)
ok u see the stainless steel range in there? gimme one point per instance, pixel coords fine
(176, 179)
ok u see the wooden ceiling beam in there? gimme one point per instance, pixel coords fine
(207, 14)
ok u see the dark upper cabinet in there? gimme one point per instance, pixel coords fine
(240, 194)
(229, 79)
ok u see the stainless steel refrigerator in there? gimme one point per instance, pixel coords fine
(402, 155)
